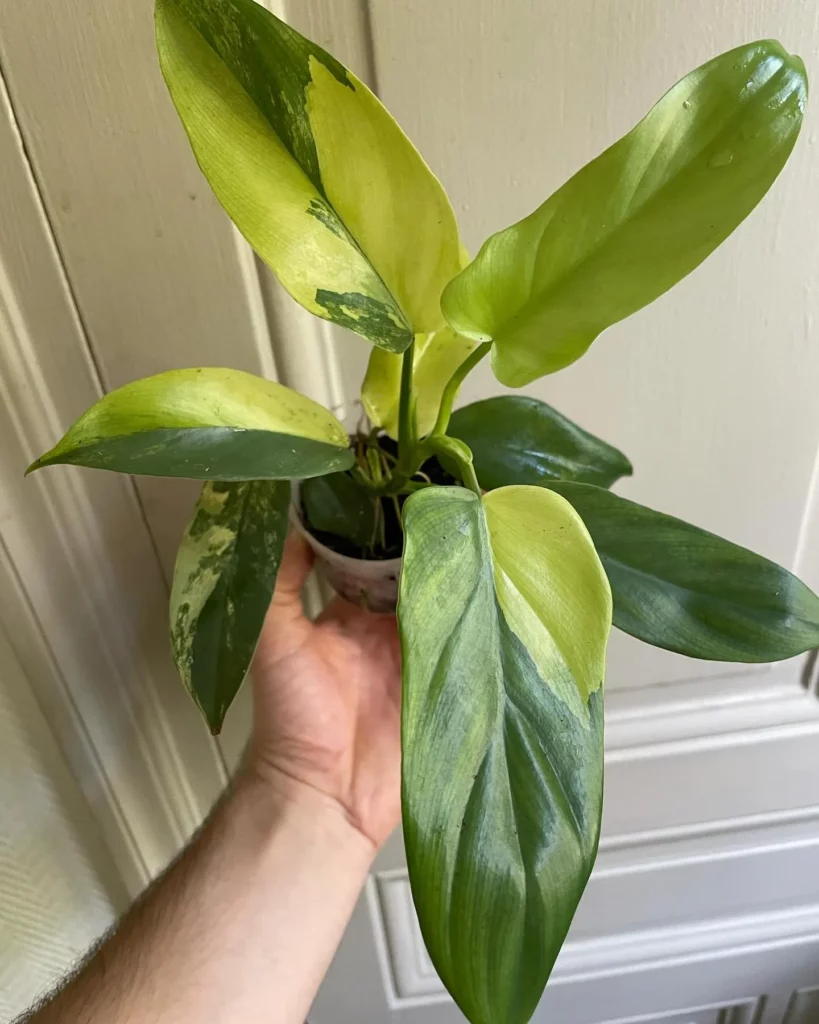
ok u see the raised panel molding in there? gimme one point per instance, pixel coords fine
(740, 1013)
(410, 979)
(737, 901)
(158, 275)
(627, 969)
(82, 596)
(803, 1007)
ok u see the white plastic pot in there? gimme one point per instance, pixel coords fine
(369, 583)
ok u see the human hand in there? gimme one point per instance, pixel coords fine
(327, 701)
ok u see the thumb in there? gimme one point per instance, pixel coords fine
(286, 627)
(297, 562)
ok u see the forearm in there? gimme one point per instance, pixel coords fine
(242, 927)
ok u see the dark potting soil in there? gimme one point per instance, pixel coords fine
(393, 533)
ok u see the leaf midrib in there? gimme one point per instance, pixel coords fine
(753, 611)
(552, 458)
(487, 579)
(544, 296)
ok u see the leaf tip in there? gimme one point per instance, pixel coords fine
(214, 717)
(43, 460)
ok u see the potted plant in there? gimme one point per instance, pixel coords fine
(515, 552)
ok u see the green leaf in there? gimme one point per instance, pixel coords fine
(504, 613)
(437, 356)
(311, 168)
(208, 424)
(637, 219)
(679, 587)
(222, 586)
(517, 440)
(337, 504)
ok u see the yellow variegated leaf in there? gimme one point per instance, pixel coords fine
(637, 219)
(504, 613)
(207, 424)
(436, 358)
(545, 569)
(311, 168)
(381, 387)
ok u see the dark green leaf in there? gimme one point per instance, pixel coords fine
(504, 614)
(208, 453)
(679, 587)
(337, 504)
(208, 424)
(223, 581)
(635, 220)
(517, 440)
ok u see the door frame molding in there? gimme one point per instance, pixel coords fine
(81, 590)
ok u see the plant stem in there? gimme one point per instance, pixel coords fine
(470, 479)
(410, 486)
(454, 386)
(406, 434)
(374, 461)
(459, 453)
(379, 512)
(361, 477)
(411, 454)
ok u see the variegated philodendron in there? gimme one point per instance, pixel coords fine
(516, 554)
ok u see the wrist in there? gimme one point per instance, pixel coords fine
(279, 801)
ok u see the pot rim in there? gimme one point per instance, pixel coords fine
(361, 566)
